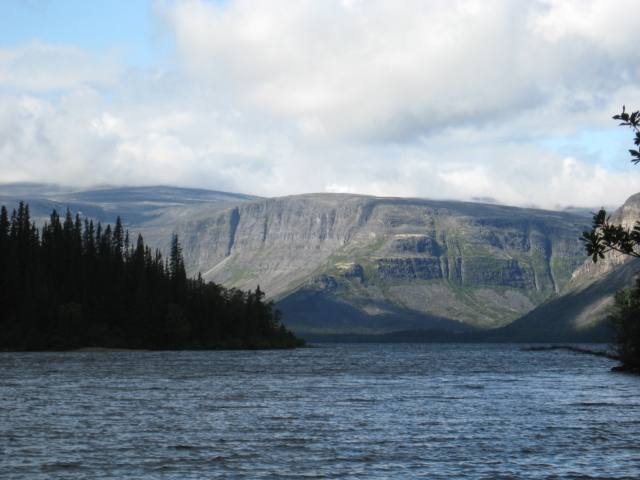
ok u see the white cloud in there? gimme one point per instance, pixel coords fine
(41, 67)
(398, 70)
(455, 99)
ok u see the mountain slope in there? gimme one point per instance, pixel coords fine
(350, 263)
(137, 206)
(585, 301)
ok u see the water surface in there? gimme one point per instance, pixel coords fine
(351, 411)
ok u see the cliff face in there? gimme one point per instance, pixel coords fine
(586, 299)
(348, 263)
(338, 262)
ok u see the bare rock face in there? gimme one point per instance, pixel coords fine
(627, 216)
(351, 263)
(585, 300)
(339, 263)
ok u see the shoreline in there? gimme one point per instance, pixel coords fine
(103, 349)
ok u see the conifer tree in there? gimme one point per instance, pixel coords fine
(4, 224)
(176, 262)
(118, 241)
(79, 286)
(177, 271)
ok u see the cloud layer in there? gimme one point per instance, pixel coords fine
(458, 100)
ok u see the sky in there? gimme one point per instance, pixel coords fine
(502, 101)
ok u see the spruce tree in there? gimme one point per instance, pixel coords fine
(79, 286)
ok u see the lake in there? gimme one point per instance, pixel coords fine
(350, 411)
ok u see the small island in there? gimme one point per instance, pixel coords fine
(73, 284)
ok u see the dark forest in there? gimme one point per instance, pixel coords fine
(74, 284)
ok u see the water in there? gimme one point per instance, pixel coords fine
(353, 411)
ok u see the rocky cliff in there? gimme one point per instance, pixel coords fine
(585, 300)
(350, 263)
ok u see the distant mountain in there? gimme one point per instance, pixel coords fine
(136, 206)
(154, 212)
(341, 263)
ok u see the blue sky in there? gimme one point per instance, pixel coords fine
(462, 99)
(125, 27)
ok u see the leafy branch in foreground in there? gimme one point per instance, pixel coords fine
(632, 121)
(604, 235)
(624, 319)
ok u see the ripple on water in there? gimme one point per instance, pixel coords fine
(363, 411)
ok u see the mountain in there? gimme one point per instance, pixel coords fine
(137, 206)
(153, 212)
(585, 300)
(340, 263)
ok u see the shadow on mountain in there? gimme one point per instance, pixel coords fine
(558, 319)
(318, 317)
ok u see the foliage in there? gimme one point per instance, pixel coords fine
(625, 323)
(75, 285)
(604, 237)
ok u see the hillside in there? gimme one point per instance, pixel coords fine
(585, 300)
(350, 263)
(138, 207)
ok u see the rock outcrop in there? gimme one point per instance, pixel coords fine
(585, 300)
(351, 263)
(341, 262)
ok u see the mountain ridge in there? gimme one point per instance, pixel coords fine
(354, 263)
(377, 255)
(586, 299)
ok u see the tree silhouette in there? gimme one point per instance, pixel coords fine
(76, 285)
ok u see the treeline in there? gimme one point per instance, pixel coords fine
(74, 284)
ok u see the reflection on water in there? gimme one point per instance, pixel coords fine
(356, 411)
